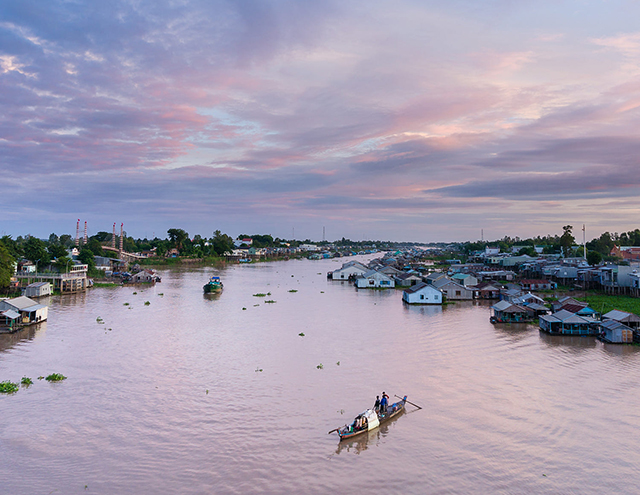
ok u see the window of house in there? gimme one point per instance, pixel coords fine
(457, 293)
(421, 296)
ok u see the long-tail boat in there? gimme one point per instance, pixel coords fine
(370, 419)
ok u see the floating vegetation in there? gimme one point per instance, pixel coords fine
(206, 391)
(41, 378)
(135, 293)
(255, 305)
(292, 275)
(258, 370)
(244, 309)
(293, 290)
(321, 292)
(301, 334)
(26, 381)
(147, 303)
(270, 301)
(55, 377)
(341, 411)
(126, 304)
(320, 366)
(161, 294)
(260, 294)
(338, 363)
(8, 387)
(99, 320)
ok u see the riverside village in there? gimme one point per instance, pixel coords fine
(525, 283)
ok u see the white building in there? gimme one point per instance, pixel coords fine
(422, 293)
(30, 311)
(374, 280)
(354, 268)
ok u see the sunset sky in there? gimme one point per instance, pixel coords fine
(404, 120)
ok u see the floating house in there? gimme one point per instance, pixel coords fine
(422, 293)
(407, 279)
(37, 289)
(629, 319)
(21, 311)
(452, 290)
(566, 323)
(349, 270)
(614, 332)
(374, 280)
(486, 290)
(506, 312)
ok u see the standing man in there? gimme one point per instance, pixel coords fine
(383, 403)
(376, 406)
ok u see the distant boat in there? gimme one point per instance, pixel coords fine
(213, 285)
(370, 419)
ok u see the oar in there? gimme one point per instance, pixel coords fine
(408, 401)
(333, 431)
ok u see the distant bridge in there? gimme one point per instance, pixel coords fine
(123, 255)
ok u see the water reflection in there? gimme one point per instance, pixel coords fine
(574, 343)
(10, 340)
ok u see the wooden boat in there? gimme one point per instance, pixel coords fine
(370, 420)
(213, 285)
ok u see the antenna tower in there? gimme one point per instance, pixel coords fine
(121, 238)
(78, 233)
(584, 241)
(85, 234)
(113, 237)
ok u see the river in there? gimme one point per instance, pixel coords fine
(219, 394)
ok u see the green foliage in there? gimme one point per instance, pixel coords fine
(604, 303)
(7, 264)
(301, 334)
(259, 294)
(15, 250)
(567, 240)
(55, 377)
(270, 301)
(293, 290)
(147, 303)
(63, 263)
(320, 366)
(26, 381)
(177, 237)
(8, 387)
(594, 257)
(35, 250)
(221, 243)
(57, 251)
(86, 257)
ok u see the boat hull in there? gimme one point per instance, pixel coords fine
(394, 410)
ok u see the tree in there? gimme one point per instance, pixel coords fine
(57, 251)
(7, 263)
(62, 264)
(177, 237)
(594, 258)
(86, 257)
(567, 240)
(66, 240)
(12, 246)
(35, 250)
(222, 243)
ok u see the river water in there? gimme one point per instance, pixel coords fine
(195, 394)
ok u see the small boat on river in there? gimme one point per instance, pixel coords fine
(213, 285)
(370, 420)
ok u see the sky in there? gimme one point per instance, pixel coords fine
(407, 120)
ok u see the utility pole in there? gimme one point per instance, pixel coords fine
(584, 241)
